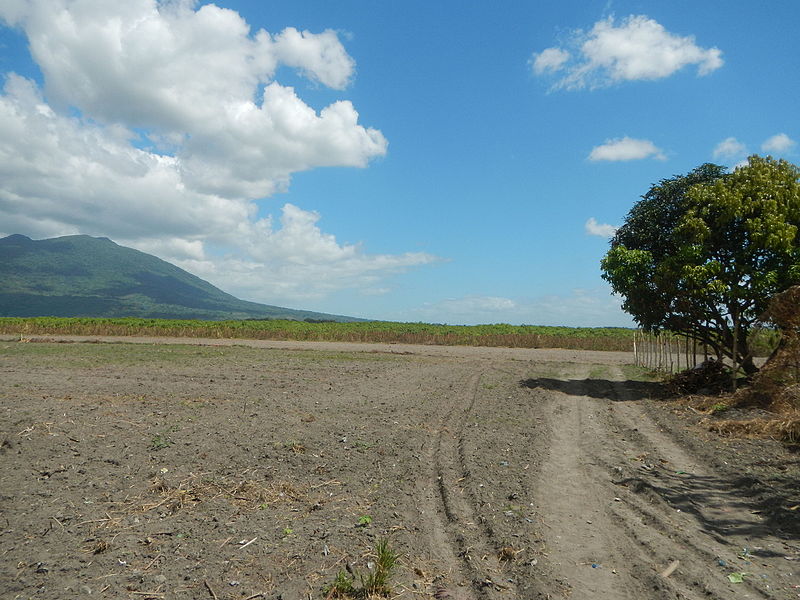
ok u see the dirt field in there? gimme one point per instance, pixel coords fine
(214, 470)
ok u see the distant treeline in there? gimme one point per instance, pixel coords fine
(510, 336)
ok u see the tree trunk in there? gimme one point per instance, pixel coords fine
(746, 357)
(748, 366)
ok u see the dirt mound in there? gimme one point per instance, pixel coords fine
(776, 387)
(769, 406)
(777, 384)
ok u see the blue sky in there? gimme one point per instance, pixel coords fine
(449, 162)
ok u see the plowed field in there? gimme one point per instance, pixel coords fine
(214, 469)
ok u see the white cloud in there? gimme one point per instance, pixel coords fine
(578, 308)
(191, 77)
(622, 149)
(592, 227)
(294, 260)
(639, 48)
(319, 56)
(730, 149)
(742, 163)
(61, 176)
(185, 185)
(550, 59)
(778, 143)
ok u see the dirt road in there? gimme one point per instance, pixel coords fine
(260, 470)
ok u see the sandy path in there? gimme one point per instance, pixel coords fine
(630, 513)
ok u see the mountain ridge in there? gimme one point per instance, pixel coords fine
(85, 276)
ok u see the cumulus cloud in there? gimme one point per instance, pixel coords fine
(161, 126)
(639, 48)
(730, 149)
(191, 77)
(319, 56)
(622, 149)
(61, 176)
(592, 227)
(294, 259)
(778, 143)
(550, 59)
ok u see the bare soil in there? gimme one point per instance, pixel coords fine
(212, 469)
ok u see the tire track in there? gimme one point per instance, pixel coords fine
(621, 501)
(574, 498)
(686, 503)
(459, 539)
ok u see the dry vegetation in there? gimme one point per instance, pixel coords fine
(499, 335)
(774, 393)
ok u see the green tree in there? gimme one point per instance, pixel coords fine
(701, 254)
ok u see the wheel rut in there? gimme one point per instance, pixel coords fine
(574, 498)
(627, 512)
(459, 538)
(690, 506)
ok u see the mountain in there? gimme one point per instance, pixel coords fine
(83, 276)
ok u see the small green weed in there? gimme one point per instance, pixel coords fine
(293, 446)
(515, 509)
(718, 408)
(375, 582)
(363, 521)
(377, 579)
(342, 587)
(634, 373)
(160, 441)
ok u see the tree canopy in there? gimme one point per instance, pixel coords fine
(701, 254)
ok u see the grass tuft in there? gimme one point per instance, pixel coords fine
(342, 587)
(375, 582)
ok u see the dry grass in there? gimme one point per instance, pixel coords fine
(248, 494)
(776, 387)
(783, 429)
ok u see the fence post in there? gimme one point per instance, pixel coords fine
(653, 349)
(735, 346)
(686, 350)
(675, 357)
